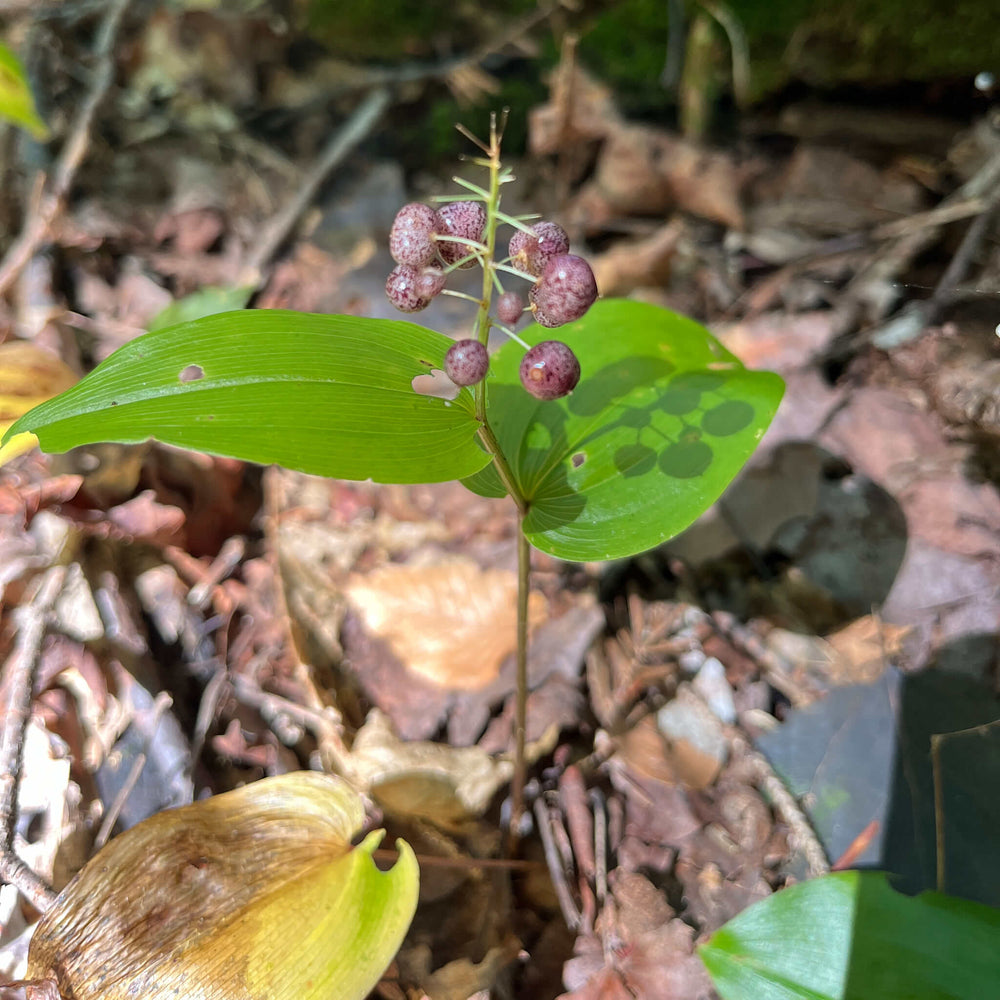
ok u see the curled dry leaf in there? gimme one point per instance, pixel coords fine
(28, 376)
(419, 779)
(252, 894)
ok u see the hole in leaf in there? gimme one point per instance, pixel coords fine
(435, 383)
(193, 373)
(578, 459)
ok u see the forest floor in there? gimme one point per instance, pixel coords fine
(709, 721)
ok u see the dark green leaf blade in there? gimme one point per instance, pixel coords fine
(851, 936)
(328, 395)
(663, 418)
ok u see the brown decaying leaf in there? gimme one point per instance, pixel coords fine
(632, 265)
(581, 110)
(646, 171)
(906, 450)
(421, 779)
(451, 623)
(642, 950)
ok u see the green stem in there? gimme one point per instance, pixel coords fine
(521, 711)
(490, 443)
(489, 242)
(484, 321)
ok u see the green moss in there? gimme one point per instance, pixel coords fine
(888, 41)
(396, 30)
(624, 43)
(823, 42)
(626, 46)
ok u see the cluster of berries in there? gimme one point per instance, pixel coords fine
(426, 244)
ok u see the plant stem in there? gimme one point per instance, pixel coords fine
(491, 444)
(489, 243)
(483, 320)
(521, 709)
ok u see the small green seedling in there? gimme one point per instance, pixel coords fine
(609, 440)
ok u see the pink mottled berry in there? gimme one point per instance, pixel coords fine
(565, 291)
(530, 252)
(466, 219)
(430, 282)
(401, 288)
(549, 370)
(466, 362)
(510, 305)
(411, 239)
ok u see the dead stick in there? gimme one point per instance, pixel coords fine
(354, 130)
(32, 620)
(784, 805)
(162, 703)
(570, 913)
(36, 227)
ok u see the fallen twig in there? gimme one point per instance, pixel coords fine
(162, 703)
(39, 221)
(784, 803)
(32, 620)
(570, 912)
(354, 130)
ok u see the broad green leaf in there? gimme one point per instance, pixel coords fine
(205, 302)
(662, 420)
(851, 936)
(16, 102)
(256, 894)
(329, 395)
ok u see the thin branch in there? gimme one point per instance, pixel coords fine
(74, 150)
(570, 912)
(785, 806)
(32, 620)
(162, 703)
(354, 130)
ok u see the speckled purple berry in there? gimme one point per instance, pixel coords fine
(411, 239)
(530, 252)
(401, 288)
(466, 219)
(565, 291)
(466, 362)
(549, 370)
(430, 282)
(510, 305)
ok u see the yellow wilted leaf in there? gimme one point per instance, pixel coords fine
(28, 376)
(255, 894)
(16, 102)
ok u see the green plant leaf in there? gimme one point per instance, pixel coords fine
(662, 420)
(206, 301)
(16, 102)
(329, 395)
(255, 894)
(851, 936)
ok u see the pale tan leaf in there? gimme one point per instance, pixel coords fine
(452, 623)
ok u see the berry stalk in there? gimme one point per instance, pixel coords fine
(483, 321)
